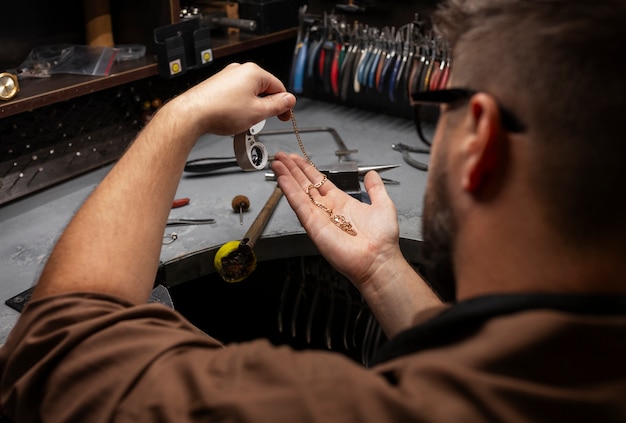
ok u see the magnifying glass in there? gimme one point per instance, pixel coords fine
(249, 153)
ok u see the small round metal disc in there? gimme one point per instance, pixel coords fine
(9, 86)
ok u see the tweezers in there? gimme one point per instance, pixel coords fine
(180, 222)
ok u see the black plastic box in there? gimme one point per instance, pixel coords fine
(271, 16)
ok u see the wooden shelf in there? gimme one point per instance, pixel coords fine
(39, 92)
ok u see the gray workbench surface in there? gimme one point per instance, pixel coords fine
(30, 227)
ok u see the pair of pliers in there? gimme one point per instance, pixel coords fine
(210, 164)
(299, 53)
(406, 149)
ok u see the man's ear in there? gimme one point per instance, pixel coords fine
(484, 148)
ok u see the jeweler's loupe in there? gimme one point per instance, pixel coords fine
(250, 154)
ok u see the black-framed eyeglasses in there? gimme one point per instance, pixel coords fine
(451, 96)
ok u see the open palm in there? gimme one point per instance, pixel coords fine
(358, 256)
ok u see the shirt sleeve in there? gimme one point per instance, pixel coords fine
(88, 357)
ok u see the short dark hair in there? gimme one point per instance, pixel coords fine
(559, 65)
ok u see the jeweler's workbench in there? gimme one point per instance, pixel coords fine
(31, 225)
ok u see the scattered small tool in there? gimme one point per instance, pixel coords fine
(180, 202)
(169, 238)
(210, 164)
(213, 164)
(360, 170)
(235, 260)
(240, 204)
(346, 175)
(180, 222)
(406, 149)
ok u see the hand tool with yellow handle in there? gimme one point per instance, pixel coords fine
(235, 260)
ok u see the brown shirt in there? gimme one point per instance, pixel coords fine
(94, 358)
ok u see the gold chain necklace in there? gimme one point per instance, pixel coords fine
(339, 220)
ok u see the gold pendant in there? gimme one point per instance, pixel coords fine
(343, 224)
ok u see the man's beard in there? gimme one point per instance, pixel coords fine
(439, 229)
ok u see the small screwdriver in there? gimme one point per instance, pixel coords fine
(240, 203)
